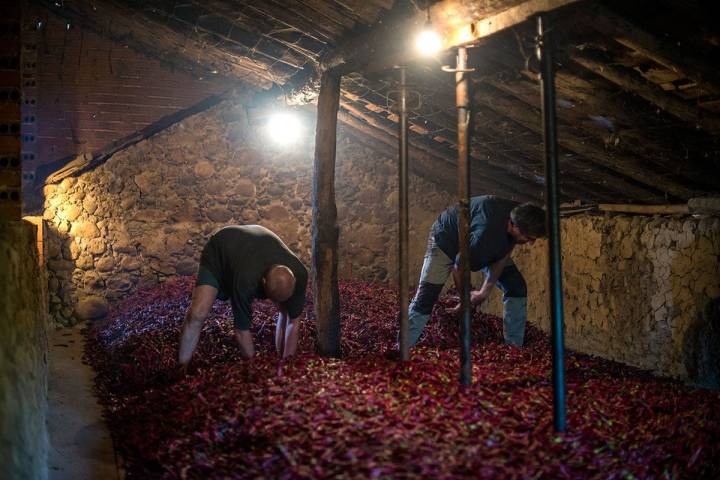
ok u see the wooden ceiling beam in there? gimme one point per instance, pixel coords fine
(438, 162)
(691, 114)
(629, 167)
(459, 22)
(584, 105)
(484, 151)
(578, 119)
(259, 29)
(364, 134)
(663, 52)
(580, 170)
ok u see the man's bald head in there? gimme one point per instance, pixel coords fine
(279, 283)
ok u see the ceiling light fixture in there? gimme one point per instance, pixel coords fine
(284, 128)
(428, 41)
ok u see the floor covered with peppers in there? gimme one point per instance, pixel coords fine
(369, 416)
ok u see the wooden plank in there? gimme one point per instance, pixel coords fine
(644, 209)
(324, 221)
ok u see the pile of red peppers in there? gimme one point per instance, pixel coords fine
(367, 415)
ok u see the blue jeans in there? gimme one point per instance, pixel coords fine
(437, 267)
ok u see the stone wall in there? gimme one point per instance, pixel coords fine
(633, 285)
(145, 214)
(23, 355)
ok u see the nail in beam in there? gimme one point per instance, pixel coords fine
(545, 55)
(324, 220)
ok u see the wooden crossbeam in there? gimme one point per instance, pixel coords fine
(459, 22)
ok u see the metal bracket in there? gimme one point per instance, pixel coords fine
(449, 69)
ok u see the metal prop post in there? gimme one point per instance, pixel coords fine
(545, 56)
(463, 103)
(403, 217)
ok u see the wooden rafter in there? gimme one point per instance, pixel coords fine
(626, 166)
(653, 94)
(515, 186)
(663, 52)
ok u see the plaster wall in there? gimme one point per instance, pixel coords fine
(633, 285)
(23, 355)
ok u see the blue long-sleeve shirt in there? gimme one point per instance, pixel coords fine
(489, 238)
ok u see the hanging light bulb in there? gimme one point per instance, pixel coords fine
(428, 41)
(284, 128)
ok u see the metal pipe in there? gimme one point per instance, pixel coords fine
(463, 102)
(403, 217)
(545, 56)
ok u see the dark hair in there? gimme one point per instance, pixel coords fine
(530, 219)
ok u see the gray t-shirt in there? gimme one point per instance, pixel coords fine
(239, 257)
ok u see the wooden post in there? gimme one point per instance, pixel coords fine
(324, 220)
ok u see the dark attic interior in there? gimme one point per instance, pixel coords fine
(360, 239)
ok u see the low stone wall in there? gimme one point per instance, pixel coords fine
(145, 214)
(23, 355)
(633, 285)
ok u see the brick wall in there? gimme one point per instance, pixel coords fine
(92, 90)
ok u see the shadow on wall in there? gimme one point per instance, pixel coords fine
(701, 347)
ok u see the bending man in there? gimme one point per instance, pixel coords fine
(496, 226)
(242, 263)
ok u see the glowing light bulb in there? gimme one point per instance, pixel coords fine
(284, 128)
(428, 42)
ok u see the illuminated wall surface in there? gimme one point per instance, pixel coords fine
(23, 355)
(634, 285)
(145, 214)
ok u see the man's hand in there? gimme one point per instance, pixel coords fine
(477, 297)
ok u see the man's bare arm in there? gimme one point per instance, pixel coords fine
(287, 334)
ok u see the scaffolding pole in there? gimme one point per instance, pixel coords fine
(463, 103)
(545, 56)
(403, 217)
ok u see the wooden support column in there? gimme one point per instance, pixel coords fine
(324, 220)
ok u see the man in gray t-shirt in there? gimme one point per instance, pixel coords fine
(242, 263)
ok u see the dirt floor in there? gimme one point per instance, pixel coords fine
(80, 444)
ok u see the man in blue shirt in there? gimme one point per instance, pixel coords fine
(496, 226)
